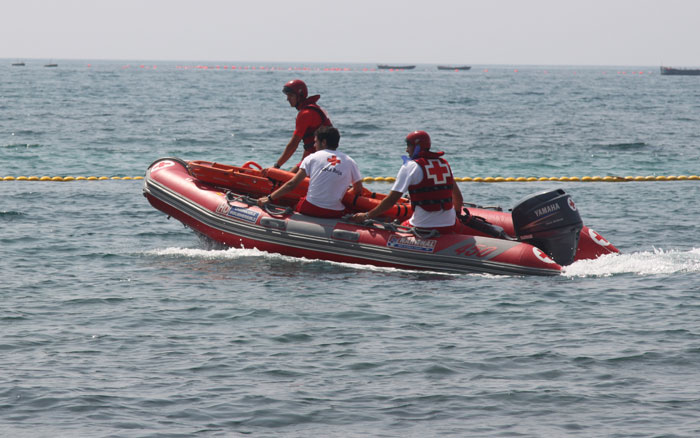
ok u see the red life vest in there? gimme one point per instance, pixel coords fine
(434, 192)
(310, 103)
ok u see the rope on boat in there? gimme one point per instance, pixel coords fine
(487, 179)
(420, 233)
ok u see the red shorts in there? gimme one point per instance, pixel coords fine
(307, 208)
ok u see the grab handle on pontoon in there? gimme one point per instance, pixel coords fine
(277, 210)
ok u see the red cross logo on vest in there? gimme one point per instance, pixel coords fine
(437, 171)
(333, 160)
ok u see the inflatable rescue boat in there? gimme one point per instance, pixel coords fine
(537, 237)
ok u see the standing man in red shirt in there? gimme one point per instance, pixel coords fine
(310, 117)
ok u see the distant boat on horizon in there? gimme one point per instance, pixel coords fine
(672, 71)
(51, 64)
(395, 67)
(454, 67)
(18, 64)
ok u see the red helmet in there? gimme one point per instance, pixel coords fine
(296, 86)
(419, 138)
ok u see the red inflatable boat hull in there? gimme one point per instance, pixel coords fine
(234, 220)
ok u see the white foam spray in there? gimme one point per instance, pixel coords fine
(656, 262)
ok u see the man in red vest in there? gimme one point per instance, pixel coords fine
(428, 179)
(310, 117)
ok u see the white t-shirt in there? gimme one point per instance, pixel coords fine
(410, 174)
(330, 174)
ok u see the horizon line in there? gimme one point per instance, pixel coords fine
(252, 62)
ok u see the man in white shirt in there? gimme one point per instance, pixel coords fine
(428, 178)
(330, 174)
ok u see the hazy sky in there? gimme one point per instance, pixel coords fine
(582, 32)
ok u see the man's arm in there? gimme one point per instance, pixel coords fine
(383, 206)
(288, 151)
(286, 188)
(457, 200)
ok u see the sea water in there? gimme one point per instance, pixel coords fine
(117, 322)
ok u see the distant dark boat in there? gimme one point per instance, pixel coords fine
(51, 64)
(454, 67)
(18, 64)
(395, 67)
(680, 71)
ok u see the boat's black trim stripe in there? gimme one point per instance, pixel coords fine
(326, 244)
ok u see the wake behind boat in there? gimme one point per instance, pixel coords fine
(219, 201)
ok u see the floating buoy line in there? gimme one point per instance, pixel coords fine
(488, 179)
(68, 178)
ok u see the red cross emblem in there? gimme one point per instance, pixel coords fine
(333, 160)
(597, 238)
(541, 255)
(437, 171)
(162, 165)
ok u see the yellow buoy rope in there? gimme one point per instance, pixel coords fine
(68, 178)
(488, 179)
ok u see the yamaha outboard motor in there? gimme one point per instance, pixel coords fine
(549, 221)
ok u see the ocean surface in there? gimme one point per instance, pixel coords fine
(117, 322)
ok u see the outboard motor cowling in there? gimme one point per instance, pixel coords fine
(551, 222)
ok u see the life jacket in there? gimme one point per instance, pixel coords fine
(310, 103)
(434, 192)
